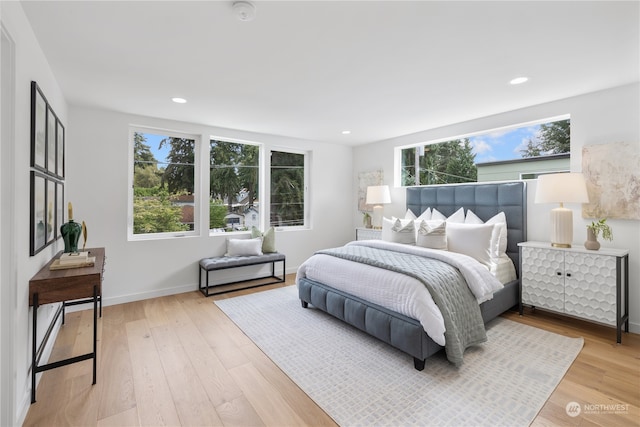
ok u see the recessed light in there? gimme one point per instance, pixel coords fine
(518, 80)
(179, 100)
(346, 132)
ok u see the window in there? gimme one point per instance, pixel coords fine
(288, 189)
(501, 154)
(163, 183)
(234, 177)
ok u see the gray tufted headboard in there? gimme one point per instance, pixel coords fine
(485, 200)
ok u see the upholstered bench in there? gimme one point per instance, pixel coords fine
(226, 262)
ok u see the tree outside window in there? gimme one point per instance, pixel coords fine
(287, 189)
(163, 199)
(234, 171)
(457, 160)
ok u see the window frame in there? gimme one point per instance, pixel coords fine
(307, 209)
(261, 186)
(131, 236)
(397, 172)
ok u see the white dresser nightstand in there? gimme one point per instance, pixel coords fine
(368, 233)
(591, 285)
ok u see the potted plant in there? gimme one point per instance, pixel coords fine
(593, 231)
(366, 219)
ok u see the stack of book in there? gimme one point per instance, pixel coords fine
(73, 260)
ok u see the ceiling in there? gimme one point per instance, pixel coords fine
(311, 69)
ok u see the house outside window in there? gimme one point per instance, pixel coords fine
(163, 180)
(164, 183)
(510, 153)
(234, 183)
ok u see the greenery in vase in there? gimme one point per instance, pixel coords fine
(601, 226)
(366, 218)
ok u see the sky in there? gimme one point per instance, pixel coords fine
(153, 141)
(502, 144)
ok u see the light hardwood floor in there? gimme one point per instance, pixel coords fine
(178, 360)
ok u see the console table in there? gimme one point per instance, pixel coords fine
(70, 286)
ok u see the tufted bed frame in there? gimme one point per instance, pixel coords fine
(405, 333)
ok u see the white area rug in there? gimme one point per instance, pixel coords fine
(361, 381)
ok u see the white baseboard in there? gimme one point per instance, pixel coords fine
(123, 299)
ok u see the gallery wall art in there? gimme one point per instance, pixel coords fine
(46, 174)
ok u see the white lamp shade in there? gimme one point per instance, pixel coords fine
(378, 195)
(561, 188)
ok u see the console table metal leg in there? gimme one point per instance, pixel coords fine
(33, 349)
(95, 330)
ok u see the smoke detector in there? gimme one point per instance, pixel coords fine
(244, 10)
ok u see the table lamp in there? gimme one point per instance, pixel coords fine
(377, 195)
(561, 188)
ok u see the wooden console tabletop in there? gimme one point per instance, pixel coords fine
(70, 286)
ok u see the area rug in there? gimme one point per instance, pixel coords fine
(361, 381)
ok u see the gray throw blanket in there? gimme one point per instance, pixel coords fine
(459, 307)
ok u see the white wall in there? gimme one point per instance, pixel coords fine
(597, 118)
(30, 64)
(97, 182)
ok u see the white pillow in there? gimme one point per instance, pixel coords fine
(244, 247)
(432, 234)
(457, 216)
(426, 215)
(399, 230)
(436, 214)
(499, 237)
(473, 240)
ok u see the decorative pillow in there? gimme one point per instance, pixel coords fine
(268, 239)
(426, 215)
(409, 214)
(436, 214)
(399, 230)
(499, 237)
(432, 234)
(457, 216)
(244, 247)
(473, 240)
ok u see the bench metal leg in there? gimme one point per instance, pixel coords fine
(205, 288)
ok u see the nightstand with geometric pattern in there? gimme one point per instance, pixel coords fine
(590, 285)
(368, 233)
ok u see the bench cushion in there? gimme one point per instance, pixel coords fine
(217, 263)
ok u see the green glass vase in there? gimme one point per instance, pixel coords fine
(71, 234)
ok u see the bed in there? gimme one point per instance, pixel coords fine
(402, 331)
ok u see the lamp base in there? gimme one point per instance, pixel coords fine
(561, 227)
(376, 218)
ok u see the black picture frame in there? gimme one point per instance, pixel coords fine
(47, 173)
(50, 225)
(59, 209)
(52, 139)
(38, 128)
(38, 231)
(59, 149)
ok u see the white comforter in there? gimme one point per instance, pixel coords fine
(398, 292)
